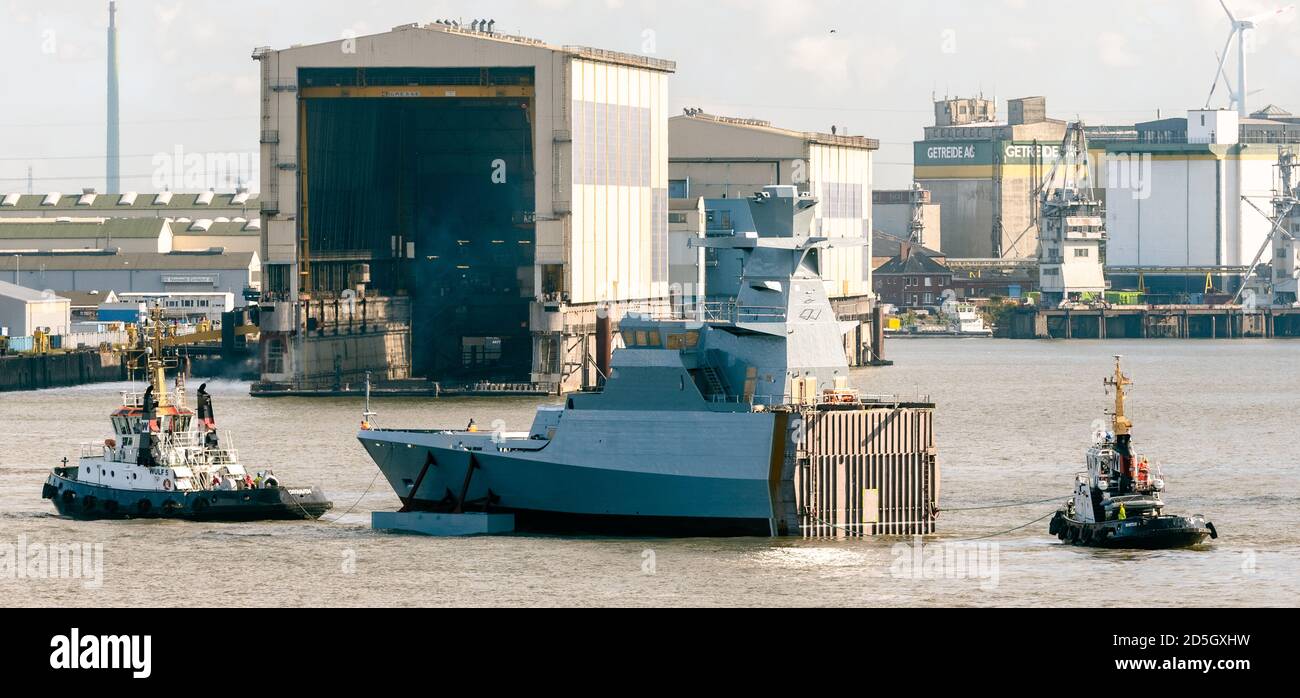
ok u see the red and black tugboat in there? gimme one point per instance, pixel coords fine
(167, 461)
(1117, 503)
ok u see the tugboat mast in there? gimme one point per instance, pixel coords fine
(154, 360)
(1119, 421)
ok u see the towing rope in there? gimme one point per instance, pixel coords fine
(354, 504)
(1003, 533)
(939, 510)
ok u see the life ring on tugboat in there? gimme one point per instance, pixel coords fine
(167, 485)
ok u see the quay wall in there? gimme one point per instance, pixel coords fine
(39, 371)
(1155, 322)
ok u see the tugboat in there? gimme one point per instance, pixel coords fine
(1117, 503)
(166, 461)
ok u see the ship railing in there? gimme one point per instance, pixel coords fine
(184, 439)
(94, 450)
(733, 312)
(723, 311)
(132, 398)
(222, 456)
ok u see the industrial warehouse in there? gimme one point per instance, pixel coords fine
(504, 190)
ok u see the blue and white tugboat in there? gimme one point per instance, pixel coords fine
(167, 461)
(1117, 503)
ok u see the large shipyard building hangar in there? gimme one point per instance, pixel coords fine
(455, 204)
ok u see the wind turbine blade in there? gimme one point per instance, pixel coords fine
(1223, 58)
(1268, 16)
(1225, 9)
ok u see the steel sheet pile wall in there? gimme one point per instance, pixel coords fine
(867, 472)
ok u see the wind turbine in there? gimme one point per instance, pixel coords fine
(1239, 95)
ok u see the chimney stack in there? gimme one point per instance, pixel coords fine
(113, 173)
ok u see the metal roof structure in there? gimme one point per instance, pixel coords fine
(151, 261)
(859, 142)
(584, 52)
(106, 203)
(232, 228)
(75, 228)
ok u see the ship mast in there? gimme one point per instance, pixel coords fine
(154, 359)
(1119, 422)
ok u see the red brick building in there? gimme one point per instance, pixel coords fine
(912, 279)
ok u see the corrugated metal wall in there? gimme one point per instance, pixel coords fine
(851, 459)
(840, 178)
(619, 236)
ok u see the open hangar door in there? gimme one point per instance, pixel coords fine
(428, 178)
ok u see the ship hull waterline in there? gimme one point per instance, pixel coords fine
(84, 501)
(717, 496)
(1160, 533)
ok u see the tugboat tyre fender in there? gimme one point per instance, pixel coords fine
(88, 503)
(143, 506)
(69, 495)
(200, 505)
(1055, 527)
(1214, 532)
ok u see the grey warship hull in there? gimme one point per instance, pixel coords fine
(607, 472)
(728, 415)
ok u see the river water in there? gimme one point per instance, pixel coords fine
(1014, 420)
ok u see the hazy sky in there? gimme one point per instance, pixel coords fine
(867, 65)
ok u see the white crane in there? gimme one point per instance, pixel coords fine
(1239, 95)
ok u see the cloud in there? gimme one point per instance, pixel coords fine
(837, 64)
(1113, 51)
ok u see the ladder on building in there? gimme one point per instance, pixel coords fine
(713, 381)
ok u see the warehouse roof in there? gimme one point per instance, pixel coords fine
(767, 127)
(56, 229)
(151, 261)
(468, 32)
(23, 293)
(161, 201)
(88, 299)
(232, 228)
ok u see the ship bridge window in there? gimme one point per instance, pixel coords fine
(689, 340)
(629, 338)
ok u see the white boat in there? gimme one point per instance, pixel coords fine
(165, 460)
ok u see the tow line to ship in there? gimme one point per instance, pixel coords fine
(340, 517)
(1003, 533)
(940, 510)
(374, 479)
(983, 508)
